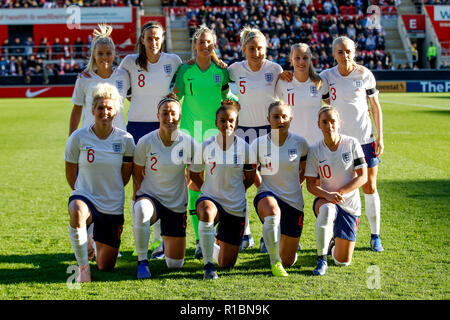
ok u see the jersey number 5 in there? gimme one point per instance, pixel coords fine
(91, 155)
(242, 87)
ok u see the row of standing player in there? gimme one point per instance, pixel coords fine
(257, 83)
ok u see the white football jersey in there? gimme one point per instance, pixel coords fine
(148, 88)
(82, 95)
(337, 168)
(165, 168)
(280, 167)
(256, 90)
(349, 96)
(305, 100)
(224, 173)
(100, 167)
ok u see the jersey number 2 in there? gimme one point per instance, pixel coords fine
(152, 167)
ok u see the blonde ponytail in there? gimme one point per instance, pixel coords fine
(102, 36)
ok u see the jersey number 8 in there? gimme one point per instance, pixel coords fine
(141, 80)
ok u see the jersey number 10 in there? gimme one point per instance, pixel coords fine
(325, 171)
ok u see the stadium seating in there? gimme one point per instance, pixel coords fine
(315, 24)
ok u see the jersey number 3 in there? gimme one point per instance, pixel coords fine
(333, 94)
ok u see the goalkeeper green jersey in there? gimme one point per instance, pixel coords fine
(202, 91)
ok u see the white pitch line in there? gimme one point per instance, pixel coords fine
(416, 105)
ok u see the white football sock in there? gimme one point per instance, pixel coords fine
(271, 235)
(247, 230)
(174, 263)
(132, 211)
(157, 231)
(143, 211)
(206, 237)
(216, 252)
(89, 232)
(324, 227)
(79, 241)
(373, 211)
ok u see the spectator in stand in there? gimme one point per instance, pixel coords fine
(17, 48)
(3, 66)
(371, 42)
(56, 48)
(351, 31)
(43, 50)
(29, 47)
(78, 48)
(67, 48)
(6, 48)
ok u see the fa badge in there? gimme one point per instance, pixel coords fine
(346, 157)
(168, 68)
(217, 78)
(117, 147)
(180, 153)
(357, 83)
(269, 77)
(292, 154)
(119, 84)
(313, 91)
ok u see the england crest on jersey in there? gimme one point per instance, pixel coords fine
(217, 78)
(117, 147)
(357, 84)
(292, 154)
(346, 157)
(168, 68)
(180, 153)
(269, 77)
(313, 91)
(119, 84)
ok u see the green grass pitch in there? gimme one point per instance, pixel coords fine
(414, 186)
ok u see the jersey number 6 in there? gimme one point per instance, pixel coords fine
(91, 155)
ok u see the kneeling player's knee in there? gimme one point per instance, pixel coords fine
(289, 261)
(143, 211)
(341, 263)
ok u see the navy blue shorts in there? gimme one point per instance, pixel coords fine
(369, 153)
(107, 227)
(291, 222)
(251, 133)
(140, 129)
(230, 228)
(345, 224)
(173, 224)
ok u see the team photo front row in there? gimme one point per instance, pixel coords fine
(101, 159)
